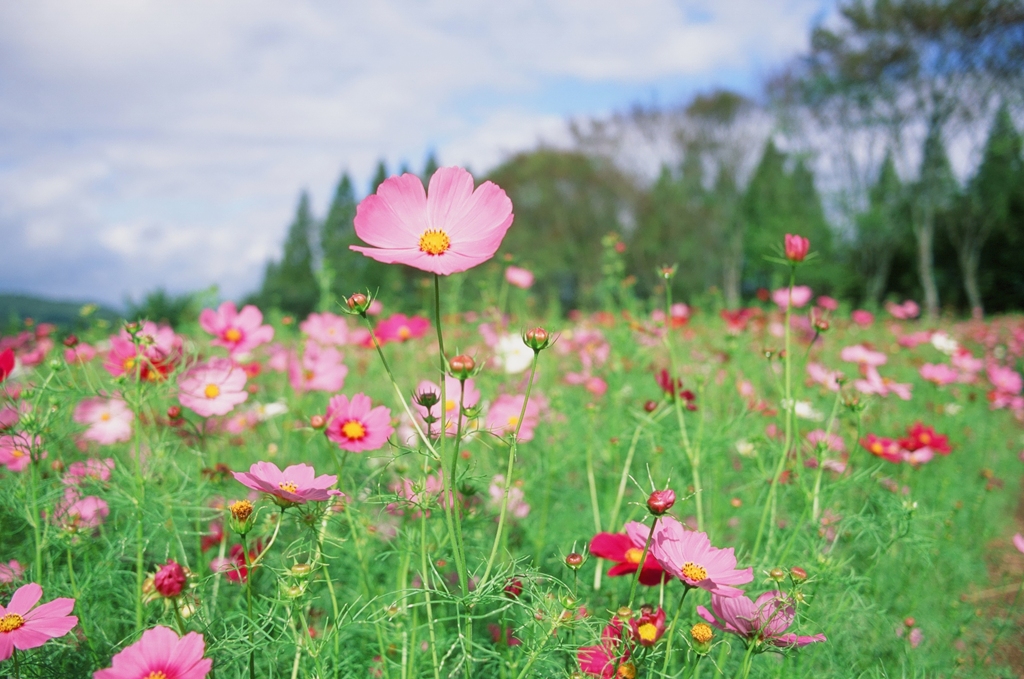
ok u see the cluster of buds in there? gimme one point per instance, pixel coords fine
(298, 576)
(537, 339)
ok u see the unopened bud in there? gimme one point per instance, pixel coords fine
(651, 406)
(537, 339)
(660, 501)
(821, 325)
(70, 341)
(777, 574)
(909, 621)
(300, 570)
(624, 613)
(318, 421)
(359, 303)
(574, 560)
(461, 366)
(701, 634)
(513, 587)
(170, 579)
(798, 574)
(174, 412)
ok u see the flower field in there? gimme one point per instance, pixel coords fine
(791, 489)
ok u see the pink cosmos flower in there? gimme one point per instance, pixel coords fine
(1018, 542)
(155, 357)
(519, 277)
(355, 426)
(763, 621)
(325, 329)
(885, 448)
(822, 375)
(964, 361)
(860, 354)
(16, 451)
(873, 383)
(862, 318)
(621, 549)
(940, 374)
(279, 357)
(96, 470)
(801, 296)
(828, 303)
(904, 312)
(160, 654)
(80, 353)
(320, 369)
(213, 388)
(449, 228)
(1005, 380)
(689, 556)
(109, 420)
(796, 247)
(296, 485)
(915, 339)
(237, 331)
(503, 416)
(453, 390)
(832, 442)
(604, 659)
(75, 513)
(8, 417)
(679, 313)
(24, 626)
(399, 328)
(516, 498)
(11, 571)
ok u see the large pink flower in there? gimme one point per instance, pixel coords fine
(765, 620)
(503, 416)
(109, 420)
(237, 331)
(448, 229)
(320, 369)
(689, 556)
(801, 296)
(76, 513)
(160, 653)
(355, 426)
(23, 626)
(213, 388)
(16, 451)
(156, 355)
(296, 485)
(325, 329)
(399, 328)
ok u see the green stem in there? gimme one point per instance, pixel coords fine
(426, 594)
(33, 519)
(17, 667)
(537, 651)
(670, 633)
(508, 474)
(643, 560)
(460, 564)
(692, 454)
(816, 503)
(177, 616)
(248, 599)
(71, 575)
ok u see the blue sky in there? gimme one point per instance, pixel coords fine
(154, 144)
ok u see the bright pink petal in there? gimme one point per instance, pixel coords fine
(25, 598)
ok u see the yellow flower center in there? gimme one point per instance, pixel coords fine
(155, 675)
(353, 430)
(129, 363)
(232, 334)
(288, 486)
(633, 555)
(11, 622)
(105, 417)
(876, 448)
(701, 633)
(211, 391)
(18, 453)
(513, 421)
(434, 242)
(626, 671)
(692, 571)
(449, 405)
(404, 332)
(647, 632)
(925, 438)
(308, 375)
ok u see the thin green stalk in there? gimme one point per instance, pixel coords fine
(33, 519)
(71, 574)
(248, 600)
(17, 667)
(426, 594)
(537, 651)
(177, 616)
(462, 566)
(508, 473)
(816, 502)
(670, 633)
(643, 560)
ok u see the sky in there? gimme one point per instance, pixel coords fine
(153, 144)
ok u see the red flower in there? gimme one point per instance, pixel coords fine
(6, 363)
(170, 579)
(919, 436)
(649, 627)
(604, 660)
(620, 548)
(885, 448)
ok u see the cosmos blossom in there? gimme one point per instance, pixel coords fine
(763, 621)
(604, 659)
(689, 556)
(295, 485)
(155, 356)
(801, 295)
(355, 425)
(449, 228)
(503, 416)
(160, 654)
(213, 388)
(399, 328)
(319, 369)
(109, 420)
(519, 277)
(621, 549)
(16, 450)
(325, 329)
(23, 625)
(237, 331)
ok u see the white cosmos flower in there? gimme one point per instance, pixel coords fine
(513, 354)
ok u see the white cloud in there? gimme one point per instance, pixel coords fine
(149, 142)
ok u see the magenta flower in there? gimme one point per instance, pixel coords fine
(503, 416)
(75, 513)
(237, 331)
(904, 312)
(763, 621)
(96, 470)
(689, 556)
(325, 329)
(801, 296)
(399, 328)
(109, 420)
(519, 277)
(320, 369)
(355, 426)
(23, 626)
(213, 388)
(296, 485)
(80, 353)
(170, 579)
(153, 359)
(448, 229)
(862, 318)
(604, 659)
(160, 654)
(16, 451)
(796, 247)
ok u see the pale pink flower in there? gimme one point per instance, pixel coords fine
(503, 416)
(862, 318)
(237, 331)
(16, 450)
(160, 654)
(80, 353)
(858, 353)
(516, 497)
(453, 390)
(1018, 542)
(828, 303)
(915, 339)
(109, 420)
(355, 426)
(76, 513)
(519, 277)
(325, 329)
(765, 620)
(1005, 380)
(801, 296)
(689, 556)
(26, 626)
(11, 571)
(213, 388)
(295, 485)
(822, 375)
(241, 422)
(448, 229)
(940, 373)
(873, 383)
(92, 469)
(320, 369)
(832, 441)
(964, 361)
(279, 357)
(904, 312)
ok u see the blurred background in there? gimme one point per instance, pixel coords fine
(158, 156)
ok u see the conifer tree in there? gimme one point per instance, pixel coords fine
(291, 284)
(880, 230)
(340, 265)
(379, 176)
(934, 192)
(430, 167)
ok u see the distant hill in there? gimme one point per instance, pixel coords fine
(14, 309)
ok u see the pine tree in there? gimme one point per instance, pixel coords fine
(291, 284)
(933, 193)
(379, 176)
(430, 167)
(336, 235)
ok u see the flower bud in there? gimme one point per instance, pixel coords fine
(241, 516)
(777, 574)
(909, 621)
(513, 588)
(701, 634)
(300, 570)
(667, 272)
(174, 412)
(660, 501)
(318, 421)
(169, 579)
(624, 613)
(796, 248)
(798, 574)
(70, 341)
(359, 303)
(574, 560)
(537, 339)
(461, 366)
(651, 406)
(427, 398)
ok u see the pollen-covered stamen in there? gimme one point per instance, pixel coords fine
(877, 448)
(353, 430)
(288, 486)
(693, 572)
(211, 391)
(11, 622)
(513, 420)
(233, 334)
(105, 417)
(434, 242)
(701, 633)
(404, 332)
(633, 555)
(156, 675)
(648, 633)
